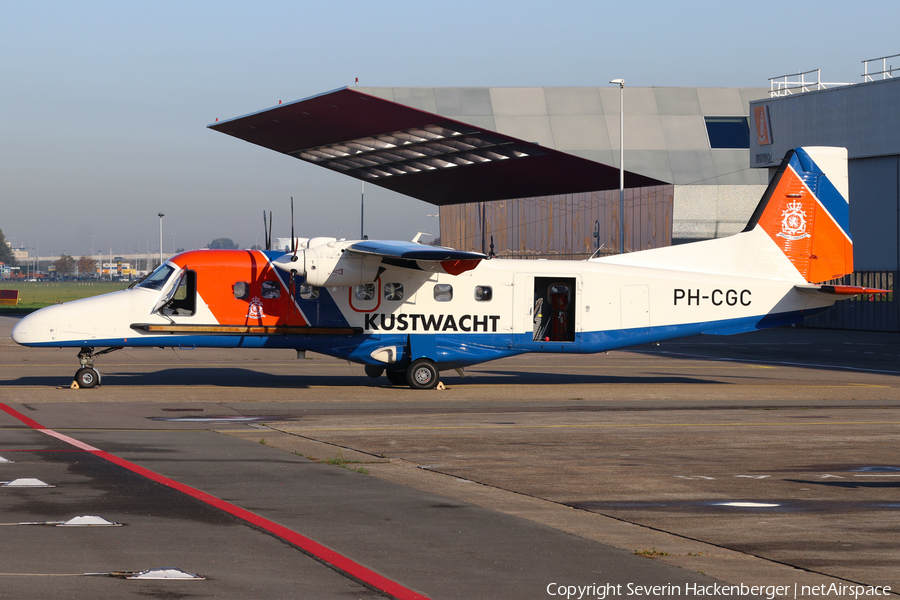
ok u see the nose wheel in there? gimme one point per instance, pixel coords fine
(87, 376)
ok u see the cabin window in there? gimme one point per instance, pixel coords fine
(365, 291)
(157, 279)
(443, 292)
(308, 292)
(393, 291)
(241, 290)
(483, 293)
(271, 290)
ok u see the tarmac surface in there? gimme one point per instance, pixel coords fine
(764, 459)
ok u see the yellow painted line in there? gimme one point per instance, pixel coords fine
(582, 426)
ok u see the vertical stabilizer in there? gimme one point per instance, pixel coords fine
(805, 211)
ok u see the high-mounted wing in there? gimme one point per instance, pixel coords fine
(410, 255)
(418, 153)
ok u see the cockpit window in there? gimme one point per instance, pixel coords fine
(157, 279)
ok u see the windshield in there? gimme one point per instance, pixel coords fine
(157, 279)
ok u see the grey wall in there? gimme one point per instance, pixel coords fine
(874, 224)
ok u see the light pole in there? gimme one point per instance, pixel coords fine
(621, 84)
(161, 215)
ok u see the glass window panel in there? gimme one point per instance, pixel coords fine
(271, 290)
(443, 292)
(365, 291)
(483, 293)
(728, 132)
(393, 291)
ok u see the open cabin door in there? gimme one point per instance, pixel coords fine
(546, 310)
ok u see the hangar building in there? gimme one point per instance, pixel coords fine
(692, 141)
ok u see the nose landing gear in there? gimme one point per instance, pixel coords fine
(87, 376)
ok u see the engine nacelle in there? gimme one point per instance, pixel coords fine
(342, 271)
(328, 265)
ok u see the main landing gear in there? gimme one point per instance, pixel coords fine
(422, 374)
(87, 376)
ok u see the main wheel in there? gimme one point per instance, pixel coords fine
(422, 375)
(86, 377)
(396, 377)
(374, 371)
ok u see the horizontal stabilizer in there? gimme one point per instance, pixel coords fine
(838, 290)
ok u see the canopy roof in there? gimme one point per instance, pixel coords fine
(417, 153)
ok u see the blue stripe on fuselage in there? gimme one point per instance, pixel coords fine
(452, 350)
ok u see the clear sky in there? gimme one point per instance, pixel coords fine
(104, 105)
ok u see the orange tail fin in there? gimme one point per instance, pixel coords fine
(805, 211)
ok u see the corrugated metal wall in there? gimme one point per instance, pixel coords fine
(561, 226)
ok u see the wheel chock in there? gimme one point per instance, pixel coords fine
(75, 385)
(440, 386)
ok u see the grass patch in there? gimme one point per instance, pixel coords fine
(650, 552)
(34, 295)
(339, 461)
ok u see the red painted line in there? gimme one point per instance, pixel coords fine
(19, 416)
(310, 546)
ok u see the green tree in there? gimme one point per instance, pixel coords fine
(222, 244)
(6, 254)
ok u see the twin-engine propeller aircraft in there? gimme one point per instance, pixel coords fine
(411, 311)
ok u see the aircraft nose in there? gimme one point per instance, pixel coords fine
(38, 327)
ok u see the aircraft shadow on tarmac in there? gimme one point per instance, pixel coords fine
(238, 378)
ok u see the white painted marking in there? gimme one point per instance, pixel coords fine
(26, 482)
(827, 476)
(166, 573)
(747, 504)
(69, 440)
(89, 521)
(753, 476)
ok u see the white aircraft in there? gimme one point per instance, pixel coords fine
(411, 311)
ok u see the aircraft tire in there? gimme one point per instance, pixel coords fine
(396, 377)
(374, 371)
(422, 374)
(87, 377)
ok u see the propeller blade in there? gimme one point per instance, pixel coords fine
(293, 239)
(269, 241)
(265, 233)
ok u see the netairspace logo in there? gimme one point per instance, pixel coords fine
(771, 592)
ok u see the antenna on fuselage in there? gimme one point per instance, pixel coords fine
(267, 231)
